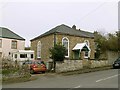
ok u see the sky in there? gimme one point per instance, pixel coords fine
(31, 18)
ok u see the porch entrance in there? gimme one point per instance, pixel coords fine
(77, 54)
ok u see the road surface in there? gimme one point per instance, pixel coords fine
(99, 79)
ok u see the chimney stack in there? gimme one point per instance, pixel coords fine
(74, 27)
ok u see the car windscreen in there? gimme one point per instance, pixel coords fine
(29, 62)
(36, 62)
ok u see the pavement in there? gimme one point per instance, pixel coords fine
(100, 79)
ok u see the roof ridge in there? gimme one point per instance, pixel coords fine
(83, 31)
(66, 30)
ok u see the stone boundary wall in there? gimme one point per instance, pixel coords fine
(101, 63)
(112, 56)
(69, 65)
(72, 65)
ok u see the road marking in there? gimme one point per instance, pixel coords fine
(107, 78)
(74, 87)
(77, 87)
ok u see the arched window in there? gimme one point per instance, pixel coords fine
(87, 42)
(65, 43)
(39, 49)
(87, 53)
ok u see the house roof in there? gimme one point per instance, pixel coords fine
(6, 33)
(80, 46)
(64, 29)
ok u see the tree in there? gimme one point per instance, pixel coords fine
(101, 44)
(58, 52)
(112, 42)
(109, 42)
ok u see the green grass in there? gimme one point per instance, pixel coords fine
(17, 79)
(7, 71)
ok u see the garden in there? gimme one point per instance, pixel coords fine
(14, 71)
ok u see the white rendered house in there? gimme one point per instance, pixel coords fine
(10, 42)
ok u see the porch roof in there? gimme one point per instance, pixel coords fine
(80, 46)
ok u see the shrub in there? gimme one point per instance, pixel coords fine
(13, 69)
(58, 52)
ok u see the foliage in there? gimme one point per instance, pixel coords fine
(28, 48)
(13, 69)
(58, 52)
(112, 42)
(107, 42)
(100, 43)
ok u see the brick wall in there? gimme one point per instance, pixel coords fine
(72, 65)
(46, 44)
(94, 64)
(69, 65)
(112, 56)
(73, 40)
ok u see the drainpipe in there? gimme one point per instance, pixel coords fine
(54, 62)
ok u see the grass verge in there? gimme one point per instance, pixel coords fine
(18, 79)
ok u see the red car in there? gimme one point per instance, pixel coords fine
(36, 66)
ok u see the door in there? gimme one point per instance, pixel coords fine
(76, 54)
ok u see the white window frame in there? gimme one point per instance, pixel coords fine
(87, 41)
(68, 45)
(39, 49)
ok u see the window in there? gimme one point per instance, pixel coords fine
(87, 53)
(14, 45)
(15, 55)
(87, 42)
(31, 55)
(65, 43)
(39, 50)
(0, 43)
(23, 55)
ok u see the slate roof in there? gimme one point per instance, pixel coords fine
(6, 33)
(64, 29)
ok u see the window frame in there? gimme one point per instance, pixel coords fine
(39, 49)
(68, 45)
(13, 47)
(88, 44)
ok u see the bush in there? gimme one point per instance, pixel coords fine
(58, 52)
(13, 69)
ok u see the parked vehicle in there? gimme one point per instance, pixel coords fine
(116, 64)
(35, 66)
(22, 55)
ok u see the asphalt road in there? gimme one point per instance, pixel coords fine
(99, 79)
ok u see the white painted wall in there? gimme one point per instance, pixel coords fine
(6, 46)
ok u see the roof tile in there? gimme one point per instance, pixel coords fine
(6, 33)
